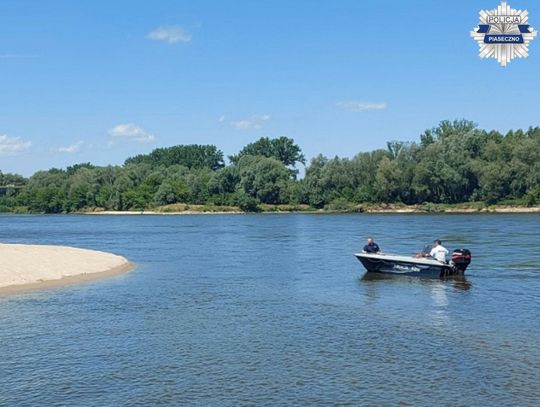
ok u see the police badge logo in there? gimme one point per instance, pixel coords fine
(504, 34)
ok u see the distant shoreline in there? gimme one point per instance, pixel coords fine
(150, 212)
(367, 209)
(29, 268)
(427, 208)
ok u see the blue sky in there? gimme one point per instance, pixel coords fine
(102, 80)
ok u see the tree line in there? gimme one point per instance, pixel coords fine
(454, 162)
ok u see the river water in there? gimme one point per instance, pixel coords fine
(228, 310)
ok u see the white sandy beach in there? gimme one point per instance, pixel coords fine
(188, 212)
(32, 267)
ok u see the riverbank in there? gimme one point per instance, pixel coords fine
(340, 207)
(475, 207)
(188, 209)
(34, 267)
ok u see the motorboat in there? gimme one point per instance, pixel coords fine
(421, 264)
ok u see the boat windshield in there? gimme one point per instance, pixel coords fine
(427, 249)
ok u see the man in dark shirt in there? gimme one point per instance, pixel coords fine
(371, 246)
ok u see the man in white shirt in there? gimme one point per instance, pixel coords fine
(439, 252)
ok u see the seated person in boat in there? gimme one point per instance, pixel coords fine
(439, 252)
(371, 246)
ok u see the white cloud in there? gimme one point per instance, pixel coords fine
(130, 132)
(172, 35)
(73, 148)
(13, 145)
(359, 106)
(254, 122)
(17, 56)
(221, 118)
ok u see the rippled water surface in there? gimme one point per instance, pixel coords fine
(273, 310)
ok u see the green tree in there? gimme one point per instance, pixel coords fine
(223, 184)
(263, 178)
(190, 156)
(453, 162)
(46, 192)
(315, 190)
(107, 195)
(171, 191)
(282, 149)
(388, 180)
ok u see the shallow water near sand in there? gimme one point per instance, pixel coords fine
(274, 310)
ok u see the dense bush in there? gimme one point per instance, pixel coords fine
(454, 162)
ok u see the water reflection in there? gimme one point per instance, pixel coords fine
(370, 276)
(458, 282)
(438, 295)
(439, 309)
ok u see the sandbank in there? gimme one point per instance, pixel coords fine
(369, 208)
(187, 212)
(33, 267)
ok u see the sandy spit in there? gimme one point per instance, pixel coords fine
(161, 213)
(375, 210)
(33, 267)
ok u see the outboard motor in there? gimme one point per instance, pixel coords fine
(461, 258)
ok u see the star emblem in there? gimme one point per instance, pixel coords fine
(504, 34)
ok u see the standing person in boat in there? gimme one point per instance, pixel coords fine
(439, 252)
(371, 246)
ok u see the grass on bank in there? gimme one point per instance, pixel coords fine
(336, 206)
(342, 206)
